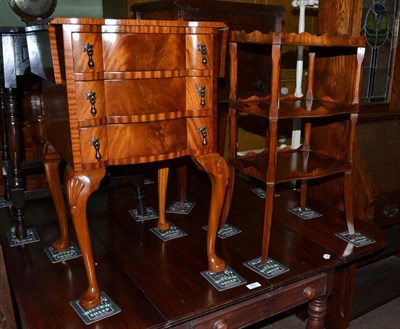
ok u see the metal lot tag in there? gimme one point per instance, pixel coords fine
(224, 280)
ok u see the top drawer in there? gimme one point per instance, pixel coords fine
(87, 52)
(143, 52)
(124, 52)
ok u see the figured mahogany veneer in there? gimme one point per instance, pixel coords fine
(127, 92)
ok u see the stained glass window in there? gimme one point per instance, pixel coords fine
(379, 25)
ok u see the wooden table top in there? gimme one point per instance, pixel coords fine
(156, 283)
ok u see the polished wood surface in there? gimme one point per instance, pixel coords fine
(105, 106)
(158, 284)
(7, 317)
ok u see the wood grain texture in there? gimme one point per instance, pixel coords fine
(147, 58)
(7, 318)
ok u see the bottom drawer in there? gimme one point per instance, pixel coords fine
(264, 306)
(155, 140)
(94, 144)
(200, 135)
(146, 141)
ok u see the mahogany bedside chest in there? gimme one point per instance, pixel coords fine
(120, 92)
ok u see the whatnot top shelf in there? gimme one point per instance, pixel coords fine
(290, 107)
(291, 164)
(298, 39)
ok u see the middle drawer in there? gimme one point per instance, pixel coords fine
(149, 99)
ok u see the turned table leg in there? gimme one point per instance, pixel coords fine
(51, 165)
(16, 182)
(79, 187)
(5, 155)
(138, 185)
(316, 313)
(217, 169)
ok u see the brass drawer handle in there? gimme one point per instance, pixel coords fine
(91, 97)
(201, 48)
(202, 92)
(96, 144)
(203, 131)
(88, 48)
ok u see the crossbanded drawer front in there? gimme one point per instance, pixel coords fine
(200, 135)
(199, 52)
(199, 94)
(141, 52)
(94, 144)
(90, 100)
(87, 52)
(156, 140)
(146, 97)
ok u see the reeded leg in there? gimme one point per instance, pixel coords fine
(269, 203)
(162, 223)
(218, 171)
(348, 177)
(316, 313)
(51, 164)
(306, 147)
(303, 194)
(79, 187)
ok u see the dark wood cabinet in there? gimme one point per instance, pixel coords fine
(375, 187)
(117, 9)
(237, 16)
(377, 184)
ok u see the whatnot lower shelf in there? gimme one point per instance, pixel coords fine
(291, 107)
(291, 165)
(299, 39)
